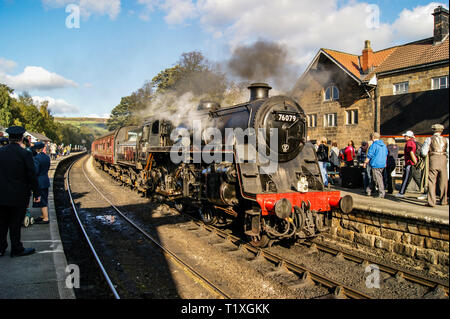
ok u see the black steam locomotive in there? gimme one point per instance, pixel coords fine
(275, 192)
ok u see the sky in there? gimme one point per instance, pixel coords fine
(84, 55)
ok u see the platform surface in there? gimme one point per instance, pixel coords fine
(43, 274)
(406, 207)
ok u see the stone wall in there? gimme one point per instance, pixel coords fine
(352, 97)
(428, 242)
(418, 80)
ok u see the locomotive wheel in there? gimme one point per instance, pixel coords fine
(260, 241)
(208, 215)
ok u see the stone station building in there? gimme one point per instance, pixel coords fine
(348, 96)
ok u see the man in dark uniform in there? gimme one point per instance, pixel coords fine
(42, 164)
(17, 179)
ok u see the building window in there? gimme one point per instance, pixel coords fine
(401, 88)
(312, 120)
(351, 117)
(439, 83)
(330, 120)
(331, 93)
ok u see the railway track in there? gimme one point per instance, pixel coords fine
(308, 276)
(389, 269)
(196, 276)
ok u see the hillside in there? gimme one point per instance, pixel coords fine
(96, 125)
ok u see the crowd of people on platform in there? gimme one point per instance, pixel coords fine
(426, 164)
(24, 167)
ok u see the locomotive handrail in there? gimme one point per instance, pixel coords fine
(231, 108)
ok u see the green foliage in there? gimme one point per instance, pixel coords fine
(192, 73)
(37, 118)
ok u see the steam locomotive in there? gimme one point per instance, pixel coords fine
(289, 201)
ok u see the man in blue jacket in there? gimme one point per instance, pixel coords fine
(377, 157)
(42, 166)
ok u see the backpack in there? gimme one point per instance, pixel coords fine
(418, 152)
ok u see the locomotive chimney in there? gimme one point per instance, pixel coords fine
(259, 91)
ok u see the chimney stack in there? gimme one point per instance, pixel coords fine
(259, 91)
(440, 24)
(367, 58)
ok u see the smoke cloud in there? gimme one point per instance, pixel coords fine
(264, 61)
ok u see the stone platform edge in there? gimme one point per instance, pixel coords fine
(401, 213)
(59, 260)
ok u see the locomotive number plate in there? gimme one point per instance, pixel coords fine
(285, 117)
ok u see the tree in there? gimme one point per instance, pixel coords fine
(6, 106)
(121, 115)
(37, 118)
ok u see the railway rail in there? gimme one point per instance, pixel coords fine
(306, 275)
(172, 256)
(391, 270)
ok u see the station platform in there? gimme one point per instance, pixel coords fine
(41, 275)
(408, 207)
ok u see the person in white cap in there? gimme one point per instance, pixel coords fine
(410, 161)
(437, 147)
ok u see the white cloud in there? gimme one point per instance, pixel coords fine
(417, 23)
(36, 78)
(89, 7)
(57, 106)
(178, 11)
(7, 65)
(303, 25)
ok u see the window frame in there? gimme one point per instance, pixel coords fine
(439, 78)
(334, 90)
(397, 92)
(352, 117)
(326, 120)
(309, 117)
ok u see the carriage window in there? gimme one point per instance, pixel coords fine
(155, 127)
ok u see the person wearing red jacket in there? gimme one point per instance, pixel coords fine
(349, 154)
(410, 161)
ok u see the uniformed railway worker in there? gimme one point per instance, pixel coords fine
(437, 147)
(42, 165)
(17, 179)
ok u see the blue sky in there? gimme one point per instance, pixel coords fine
(123, 43)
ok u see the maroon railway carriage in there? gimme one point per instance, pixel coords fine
(102, 148)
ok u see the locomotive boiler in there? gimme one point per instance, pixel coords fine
(260, 172)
